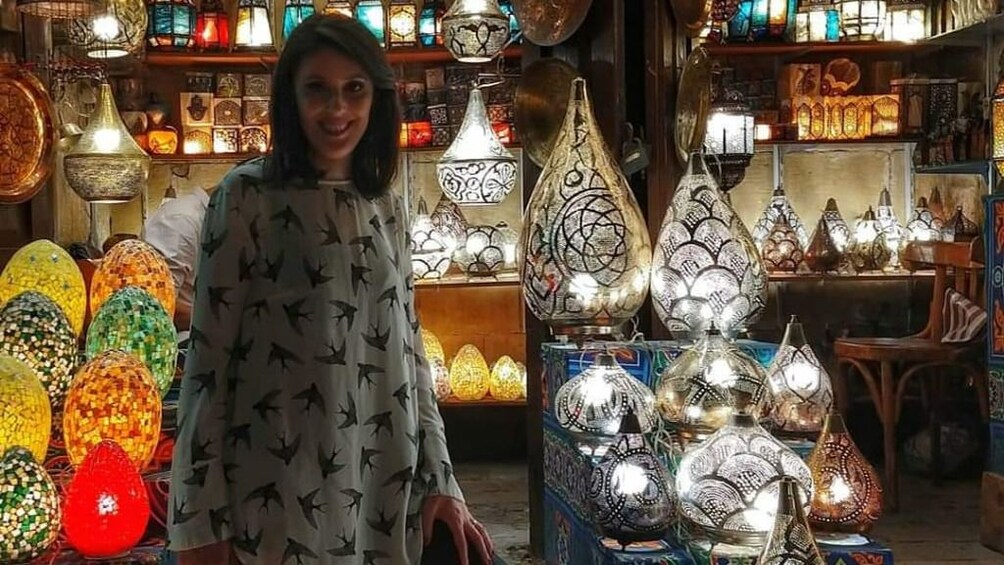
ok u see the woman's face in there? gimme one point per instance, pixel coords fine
(334, 95)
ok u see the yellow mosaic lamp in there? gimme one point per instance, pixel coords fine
(30, 519)
(113, 397)
(433, 349)
(134, 322)
(34, 330)
(133, 263)
(48, 269)
(507, 382)
(25, 414)
(469, 376)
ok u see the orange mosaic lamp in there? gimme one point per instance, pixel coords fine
(25, 414)
(113, 397)
(469, 376)
(507, 380)
(133, 263)
(848, 494)
(48, 269)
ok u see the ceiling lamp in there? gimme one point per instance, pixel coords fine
(893, 231)
(430, 251)
(848, 495)
(46, 268)
(35, 331)
(29, 523)
(475, 31)
(800, 387)
(923, 226)
(476, 168)
(790, 541)
(869, 251)
(839, 232)
(779, 205)
(133, 262)
(115, 30)
(25, 414)
(469, 375)
(58, 9)
(781, 251)
(487, 250)
(254, 26)
(728, 137)
(172, 24)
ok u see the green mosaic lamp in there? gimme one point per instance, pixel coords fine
(29, 521)
(35, 331)
(133, 321)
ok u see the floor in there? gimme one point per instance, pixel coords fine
(935, 526)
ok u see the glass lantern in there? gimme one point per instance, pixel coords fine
(769, 18)
(30, 520)
(869, 251)
(779, 205)
(906, 20)
(402, 23)
(862, 20)
(115, 30)
(487, 250)
(430, 249)
(338, 7)
(430, 23)
(449, 221)
(848, 494)
(254, 26)
(728, 138)
(371, 14)
(781, 251)
(133, 263)
(790, 541)
(835, 224)
(35, 331)
(25, 413)
(171, 24)
(469, 375)
(507, 382)
(800, 387)
(293, 14)
(923, 226)
(212, 27)
(475, 31)
(46, 268)
(510, 12)
(817, 21)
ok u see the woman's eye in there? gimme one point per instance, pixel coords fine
(356, 86)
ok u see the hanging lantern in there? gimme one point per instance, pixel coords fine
(487, 250)
(817, 21)
(584, 245)
(449, 221)
(441, 380)
(469, 376)
(506, 380)
(133, 263)
(171, 24)
(769, 19)
(822, 254)
(106, 507)
(106, 165)
(629, 491)
(371, 14)
(591, 405)
(923, 226)
(212, 27)
(433, 348)
(906, 20)
(402, 23)
(29, 522)
(848, 495)
(476, 168)
(800, 387)
(705, 385)
(890, 227)
(510, 11)
(960, 228)
(475, 31)
(338, 7)
(430, 23)
(113, 397)
(782, 252)
(46, 268)
(862, 20)
(835, 224)
(869, 251)
(35, 331)
(134, 322)
(430, 254)
(705, 269)
(728, 138)
(293, 14)
(58, 9)
(790, 541)
(779, 205)
(115, 30)
(729, 485)
(997, 120)
(254, 27)
(25, 414)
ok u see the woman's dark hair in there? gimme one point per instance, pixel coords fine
(374, 161)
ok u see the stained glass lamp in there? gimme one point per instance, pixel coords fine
(25, 414)
(781, 251)
(449, 220)
(510, 12)
(507, 381)
(441, 380)
(469, 375)
(869, 251)
(212, 27)
(294, 12)
(839, 232)
(729, 485)
(371, 14)
(800, 387)
(906, 20)
(113, 397)
(893, 231)
(770, 18)
(476, 168)
(254, 28)
(630, 494)
(133, 263)
(116, 29)
(923, 226)
(475, 31)
(46, 268)
(339, 7)
(816, 21)
(34, 330)
(790, 541)
(430, 249)
(862, 20)
(778, 205)
(848, 495)
(29, 523)
(430, 23)
(402, 23)
(591, 405)
(106, 509)
(487, 250)
(728, 137)
(171, 24)
(433, 348)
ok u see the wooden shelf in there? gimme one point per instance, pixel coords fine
(455, 280)
(211, 158)
(799, 49)
(963, 168)
(857, 277)
(975, 35)
(835, 142)
(252, 58)
(454, 402)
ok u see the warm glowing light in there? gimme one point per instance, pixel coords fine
(25, 413)
(106, 27)
(469, 375)
(800, 386)
(44, 267)
(133, 263)
(433, 348)
(848, 495)
(507, 381)
(30, 517)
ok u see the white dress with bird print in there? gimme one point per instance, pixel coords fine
(309, 431)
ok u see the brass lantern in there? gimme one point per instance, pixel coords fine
(781, 252)
(924, 225)
(848, 495)
(475, 31)
(728, 137)
(800, 387)
(778, 205)
(869, 250)
(894, 233)
(117, 29)
(402, 23)
(790, 541)
(835, 224)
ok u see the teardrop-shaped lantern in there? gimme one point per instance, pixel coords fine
(706, 384)
(729, 485)
(469, 375)
(34, 330)
(476, 168)
(631, 496)
(106, 165)
(923, 226)
(848, 495)
(790, 541)
(839, 232)
(822, 254)
(133, 263)
(475, 31)
(779, 205)
(106, 507)
(584, 246)
(430, 252)
(134, 322)
(449, 220)
(46, 268)
(959, 227)
(895, 234)
(507, 380)
(869, 250)
(800, 386)
(936, 205)
(25, 413)
(781, 251)
(706, 269)
(29, 520)
(433, 348)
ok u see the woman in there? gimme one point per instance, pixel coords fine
(308, 430)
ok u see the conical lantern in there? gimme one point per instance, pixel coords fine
(106, 165)
(133, 263)
(895, 234)
(782, 251)
(822, 254)
(475, 31)
(706, 269)
(584, 245)
(959, 227)
(507, 380)
(790, 541)
(779, 205)
(29, 507)
(34, 330)
(800, 386)
(25, 413)
(848, 495)
(433, 348)
(476, 168)
(469, 375)
(923, 226)
(46, 268)
(449, 220)
(869, 250)
(430, 252)
(835, 224)
(936, 205)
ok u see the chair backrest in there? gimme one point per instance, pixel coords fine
(957, 265)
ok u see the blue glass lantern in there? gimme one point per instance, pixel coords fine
(817, 20)
(430, 23)
(294, 13)
(739, 25)
(508, 10)
(771, 18)
(370, 14)
(171, 24)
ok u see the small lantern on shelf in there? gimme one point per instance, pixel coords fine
(46, 268)
(959, 227)
(133, 263)
(254, 25)
(869, 251)
(430, 253)
(507, 381)
(997, 118)
(371, 14)
(779, 205)
(34, 330)
(885, 115)
(402, 23)
(25, 412)
(728, 137)
(839, 232)
(430, 23)
(293, 14)
(449, 220)
(475, 31)
(487, 250)
(848, 494)
(800, 386)
(171, 24)
(923, 226)
(470, 378)
(906, 20)
(212, 27)
(822, 254)
(433, 348)
(781, 251)
(770, 19)
(338, 7)
(817, 21)
(862, 20)
(891, 229)
(30, 520)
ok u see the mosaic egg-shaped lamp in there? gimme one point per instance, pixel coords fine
(507, 381)
(113, 397)
(34, 330)
(800, 386)
(25, 413)
(433, 348)
(134, 322)
(848, 495)
(133, 263)
(46, 268)
(106, 507)
(469, 375)
(440, 380)
(29, 507)
(729, 485)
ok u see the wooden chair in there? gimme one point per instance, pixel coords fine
(899, 360)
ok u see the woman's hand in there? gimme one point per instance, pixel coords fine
(464, 528)
(217, 553)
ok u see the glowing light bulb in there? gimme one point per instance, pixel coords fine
(629, 479)
(584, 287)
(802, 376)
(106, 27)
(597, 390)
(720, 373)
(839, 491)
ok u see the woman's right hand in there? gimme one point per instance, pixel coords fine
(218, 553)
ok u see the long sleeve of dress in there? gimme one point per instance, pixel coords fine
(200, 512)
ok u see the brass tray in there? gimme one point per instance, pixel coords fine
(27, 135)
(539, 108)
(692, 14)
(693, 100)
(549, 22)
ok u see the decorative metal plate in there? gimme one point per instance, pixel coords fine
(541, 101)
(549, 22)
(693, 100)
(692, 14)
(27, 135)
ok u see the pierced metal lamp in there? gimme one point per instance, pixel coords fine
(728, 138)
(430, 249)
(487, 250)
(449, 221)
(869, 251)
(895, 234)
(848, 494)
(802, 394)
(475, 31)
(923, 226)
(781, 251)
(790, 541)
(839, 232)
(116, 29)
(778, 205)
